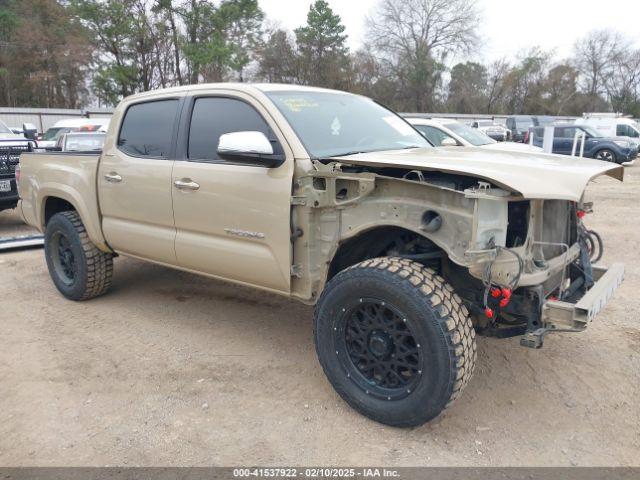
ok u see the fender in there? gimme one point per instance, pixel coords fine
(89, 214)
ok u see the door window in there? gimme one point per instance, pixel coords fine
(623, 130)
(147, 129)
(215, 116)
(564, 132)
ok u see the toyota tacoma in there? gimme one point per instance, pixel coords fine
(406, 250)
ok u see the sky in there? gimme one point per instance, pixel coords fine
(507, 26)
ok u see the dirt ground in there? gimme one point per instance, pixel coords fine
(174, 369)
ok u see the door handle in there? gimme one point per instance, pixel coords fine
(113, 177)
(186, 184)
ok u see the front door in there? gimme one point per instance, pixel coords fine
(134, 182)
(232, 219)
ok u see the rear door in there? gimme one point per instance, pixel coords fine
(134, 181)
(232, 219)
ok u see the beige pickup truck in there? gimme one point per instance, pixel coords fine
(405, 249)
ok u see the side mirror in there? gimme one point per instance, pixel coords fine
(448, 142)
(251, 147)
(29, 130)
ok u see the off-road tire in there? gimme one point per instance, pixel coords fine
(92, 268)
(435, 315)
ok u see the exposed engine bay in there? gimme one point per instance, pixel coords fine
(504, 255)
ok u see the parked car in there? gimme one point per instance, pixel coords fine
(11, 146)
(81, 142)
(332, 199)
(519, 125)
(612, 125)
(51, 136)
(596, 145)
(492, 129)
(443, 132)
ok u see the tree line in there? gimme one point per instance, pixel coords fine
(78, 53)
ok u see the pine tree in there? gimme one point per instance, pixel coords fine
(322, 49)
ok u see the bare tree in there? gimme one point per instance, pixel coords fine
(415, 36)
(623, 83)
(595, 55)
(496, 88)
(416, 28)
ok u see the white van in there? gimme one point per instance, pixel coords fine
(612, 125)
(51, 136)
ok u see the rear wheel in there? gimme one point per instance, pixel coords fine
(79, 270)
(394, 340)
(606, 155)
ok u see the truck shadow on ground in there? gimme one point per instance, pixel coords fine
(211, 365)
(507, 377)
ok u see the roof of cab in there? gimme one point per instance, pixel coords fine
(238, 86)
(430, 121)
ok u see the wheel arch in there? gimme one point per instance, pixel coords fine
(608, 148)
(369, 243)
(63, 198)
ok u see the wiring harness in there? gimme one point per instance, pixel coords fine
(501, 292)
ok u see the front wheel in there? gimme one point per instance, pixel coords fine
(79, 270)
(394, 340)
(606, 155)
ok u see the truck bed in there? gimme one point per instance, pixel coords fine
(70, 176)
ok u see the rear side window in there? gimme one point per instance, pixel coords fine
(147, 129)
(215, 116)
(564, 132)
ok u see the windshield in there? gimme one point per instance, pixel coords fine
(471, 135)
(592, 132)
(54, 132)
(486, 123)
(84, 142)
(4, 128)
(334, 124)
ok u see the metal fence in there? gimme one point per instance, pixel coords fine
(471, 117)
(43, 118)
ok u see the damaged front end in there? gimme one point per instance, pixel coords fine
(533, 259)
(522, 266)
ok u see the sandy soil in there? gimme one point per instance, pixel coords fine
(174, 369)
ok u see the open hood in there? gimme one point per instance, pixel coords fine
(512, 147)
(533, 175)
